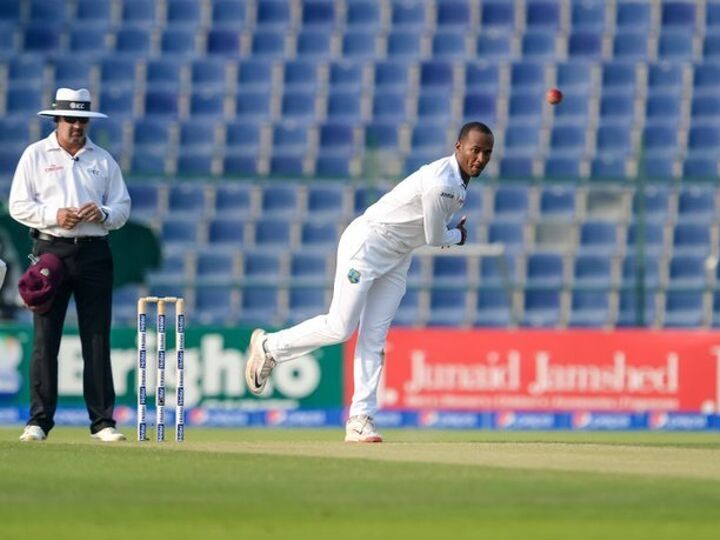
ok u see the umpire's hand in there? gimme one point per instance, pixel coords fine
(463, 231)
(68, 217)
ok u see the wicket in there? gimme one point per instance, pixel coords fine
(142, 367)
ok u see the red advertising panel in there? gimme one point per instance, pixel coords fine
(634, 370)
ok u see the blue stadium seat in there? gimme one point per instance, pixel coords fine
(567, 140)
(227, 230)
(144, 196)
(684, 309)
(662, 109)
(404, 44)
(516, 166)
(179, 42)
(319, 234)
(696, 203)
(705, 109)
(585, 44)
(208, 74)
(69, 73)
(180, 231)
(511, 203)
(214, 305)
(227, 43)
(494, 46)
(633, 14)
(499, 271)
(711, 46)
(151, 161)
(261, 267)
(598, 237)
(318, 13)
(497, 14)
(605, 167)
(519, 139)
(562, 167)
(309, 269)
(656, 200)
(619, 77)
(575, 76)
(448, 307)
(344, 106)
(526, 107)
(665, 76)
(273, 13)
(449, 45)
(648, 272)
(686, 271)
(450, 271)
(23, 100)
(215, 266)
(325, 201)
(617, 108)
(390, 75)
(542, 308)
(453, 15)
(630, 45)
(537, 45)
(240, 165)
(692, 238)
(542, 14)
(679, 15)
(298, 105)
(133, 41)
(183, 13)
(118, 72)
(314, 43)
(492, 308)
(381, 136)
(345, 75)
(335, 137)
(362, 14)
(268, 44)
(704, 139)
(628, 313)
(508, 233)
(48, 12)
(676, 45)
(273, 233)
(243, 136)
(431, 108)
(252, 104)
(544, 270)
(108, 133)
(187, 198)
(259, 305)
(162, 103)
(300, 75)
(408, 14)
(289, 136)
(613, 139)
(589, 309)
(305, 302)
(359, 44)
(25, 69)
(592, 271)
(124, 308)
(195, 161)
(482, 76)
(588, 15)
(280, 200)
(557, 202)
(232, 199)
(163, 73)
(207, 103)
(389, 106)
(700, 167)
(480, 105)
(436, 75)
(528, 74)
(139, 13)
(287, 164)
(254, 74)
(39, 38)
(229, 13)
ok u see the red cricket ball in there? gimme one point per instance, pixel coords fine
(554, 96)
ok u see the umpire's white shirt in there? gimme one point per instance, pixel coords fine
(48, 178)
(418, 210)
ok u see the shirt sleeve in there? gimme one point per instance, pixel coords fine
(436, 206)
(116, 203)
(23, 204)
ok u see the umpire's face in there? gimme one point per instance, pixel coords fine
(71, 130)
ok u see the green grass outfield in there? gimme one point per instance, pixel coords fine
(298, 484)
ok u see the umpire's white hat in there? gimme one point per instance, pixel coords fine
(70, 102)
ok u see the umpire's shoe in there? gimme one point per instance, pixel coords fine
(260, 363)
(33, 433)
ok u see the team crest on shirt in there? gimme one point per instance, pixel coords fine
(353, 276)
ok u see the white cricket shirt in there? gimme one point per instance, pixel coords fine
(418, 210)
(48, 178)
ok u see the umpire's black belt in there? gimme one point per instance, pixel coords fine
(69, 240)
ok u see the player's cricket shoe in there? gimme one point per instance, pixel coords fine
(109, 434)
(33, 433)
(260, 363)
(361, 428)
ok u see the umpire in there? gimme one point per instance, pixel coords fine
(70, 192)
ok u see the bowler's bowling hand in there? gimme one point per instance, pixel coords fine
(463, 231)
(68, 217)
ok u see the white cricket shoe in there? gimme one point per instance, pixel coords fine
(260, 363)
(33, 433)
(361, 428)
(109, 434)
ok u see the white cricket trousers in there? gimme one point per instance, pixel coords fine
(370, 281)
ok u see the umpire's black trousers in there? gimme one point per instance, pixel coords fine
(89, 276)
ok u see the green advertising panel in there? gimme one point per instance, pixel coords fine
(214, 370)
